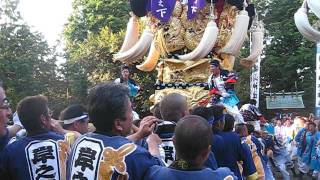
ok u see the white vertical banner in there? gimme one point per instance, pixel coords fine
(255, 81)
(317, 103)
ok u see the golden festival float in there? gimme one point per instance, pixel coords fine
(181, 37)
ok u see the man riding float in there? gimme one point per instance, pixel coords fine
(221, 85)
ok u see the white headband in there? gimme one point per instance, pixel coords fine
(72, 120)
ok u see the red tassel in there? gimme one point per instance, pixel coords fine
(231, 81)
(213, 91)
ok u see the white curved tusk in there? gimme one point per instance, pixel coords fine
(256, 48)
(302, 22)
(314, 5)
(138, 50)
(206, 44)
(238, 36)
(152, 59)
(132, 34)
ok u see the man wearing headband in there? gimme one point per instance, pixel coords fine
(75, 118)
(217, 77)
(252, 115)
(221, 85)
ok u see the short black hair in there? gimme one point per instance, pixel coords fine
(172, 105)
(125, 67)
(30, 110)
(215, 62)
(229, 123)
(204, 112)
(252, 101)
(107, 102)
(312, 123)
(192, 135)
(218, 111)
(239, 128)
(250, 128)
(72, 111)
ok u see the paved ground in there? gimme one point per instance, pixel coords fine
(278, 176)
(304, 177)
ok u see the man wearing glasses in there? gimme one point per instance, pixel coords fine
(42, 153)
(5, 112)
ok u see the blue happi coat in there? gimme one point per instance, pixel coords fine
(97, 156)
(36, 157)
(233, 151)
(161, 173)
(310, 144)
(300, 140)
(315, 156)
(4, 140)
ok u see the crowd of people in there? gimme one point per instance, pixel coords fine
(106, 139)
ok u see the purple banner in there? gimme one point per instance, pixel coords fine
(162, 9)
(194, 6)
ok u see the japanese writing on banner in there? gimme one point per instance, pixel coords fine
(284, 101)
(194, 6)
(162, 9)
(168, 154)
(86, 159)
(255, 81)
(43, 160)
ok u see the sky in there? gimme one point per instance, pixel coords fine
(46, 16)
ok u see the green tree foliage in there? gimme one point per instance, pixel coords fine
(91, 63)
(93, 34)
(27, 64)
(90, 16)
(8, 11)
(288, 57)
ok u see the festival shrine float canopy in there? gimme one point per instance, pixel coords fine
(179, 38)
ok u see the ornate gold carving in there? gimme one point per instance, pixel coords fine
(172, 70)
(226, 23)
(173, 33)
(177, 9)
(193, 94)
